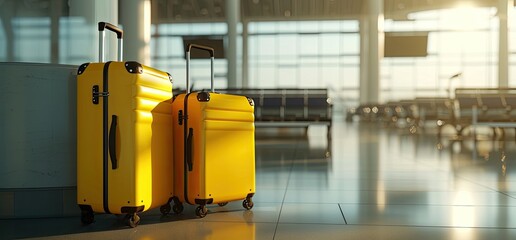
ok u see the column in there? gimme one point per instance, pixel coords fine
(135, 18)
(504, 7)
(371, 51)
(364, 76)
(55, 15)
(232, 16)
(7, 13)
(90, 13)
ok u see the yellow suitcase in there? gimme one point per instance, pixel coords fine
(124, 137)
(214, 150)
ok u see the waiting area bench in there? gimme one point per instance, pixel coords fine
(491, 107)
(471, 107)
(397, 113)
(437, 110)
(289, 107)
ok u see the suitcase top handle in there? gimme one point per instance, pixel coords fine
(212, 57)
(102, 36)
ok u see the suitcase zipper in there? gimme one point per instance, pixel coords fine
(105, 137)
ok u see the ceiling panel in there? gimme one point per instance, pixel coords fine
(285, 10)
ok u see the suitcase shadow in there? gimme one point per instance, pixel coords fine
(233, 211)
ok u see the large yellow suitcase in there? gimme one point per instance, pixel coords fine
(214, 150)
(124, 138)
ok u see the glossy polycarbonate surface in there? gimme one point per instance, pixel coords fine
(142, 106)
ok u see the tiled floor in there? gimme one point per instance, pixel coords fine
(378, 183)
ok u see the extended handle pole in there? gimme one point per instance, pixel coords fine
(102, 37)
(212, 58)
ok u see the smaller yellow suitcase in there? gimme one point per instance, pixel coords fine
(214, 149)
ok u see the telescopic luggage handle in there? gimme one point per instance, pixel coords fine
(212, 57)
(102, 37)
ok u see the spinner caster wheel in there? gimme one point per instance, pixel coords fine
(201, 211)
(165, 209)
(87, 217)
(132, 220)
(178, 208)
(248, 204)
(222, 204)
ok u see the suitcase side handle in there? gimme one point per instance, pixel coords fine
(189, 150)
(112, 142)
(102, 36)
(212, 58)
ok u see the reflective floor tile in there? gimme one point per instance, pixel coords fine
(353, 232)
(277, 180)
(269, 195)
(386, 185)
(311, 213)
(502, 186)
(317, 196)
(232, 212)
(459, 198)
(377, 183)
(182, 230)
(430, 215)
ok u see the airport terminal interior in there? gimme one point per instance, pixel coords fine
(373, 119)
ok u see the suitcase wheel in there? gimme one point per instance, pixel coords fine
(178, 208)
(87, 217)
(222, 204)
(165, 209)
(248, 204)
(201, 211)
(132, 220)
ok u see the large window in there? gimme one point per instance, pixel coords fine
(283, 54)
(286, 54)
(168, 53)
(459, 41)
(305, 54)
(30, 39)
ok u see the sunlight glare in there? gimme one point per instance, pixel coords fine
(463, 17)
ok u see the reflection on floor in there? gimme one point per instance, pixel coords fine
(378, 183)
